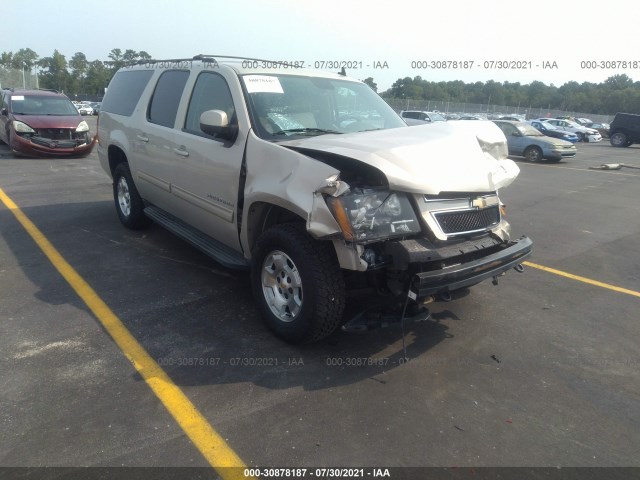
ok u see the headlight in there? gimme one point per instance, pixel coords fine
(369, 215)
(20, 127)
(82, 127)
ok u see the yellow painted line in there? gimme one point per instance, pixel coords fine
(214, 448)
(583, 279)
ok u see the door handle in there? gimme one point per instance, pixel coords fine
(181, 151)
(142, 138)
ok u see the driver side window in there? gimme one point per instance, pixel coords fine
(508, 130)
(210, 92)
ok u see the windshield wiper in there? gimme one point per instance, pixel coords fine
(303, 130)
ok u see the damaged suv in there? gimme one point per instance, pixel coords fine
(311, 181)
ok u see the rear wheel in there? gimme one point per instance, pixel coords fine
(129, 205)
(533, 153)
(297, 283)
(619, 139)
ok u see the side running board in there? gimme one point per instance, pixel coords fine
(216, 250)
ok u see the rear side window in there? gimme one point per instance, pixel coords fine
(124, 91)
(166, 97)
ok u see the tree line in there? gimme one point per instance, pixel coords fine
(81, 76)
(618, 93)
(76, 76)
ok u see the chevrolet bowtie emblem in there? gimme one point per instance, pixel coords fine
(479, 202)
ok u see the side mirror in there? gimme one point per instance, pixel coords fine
(216, 123)
(4, 112)
(516, 134)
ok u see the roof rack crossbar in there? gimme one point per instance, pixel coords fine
(204, 57)
(19, 89)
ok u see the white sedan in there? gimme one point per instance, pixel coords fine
(84, 109)
(584, 134)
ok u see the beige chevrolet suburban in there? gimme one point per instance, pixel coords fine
(310, 180)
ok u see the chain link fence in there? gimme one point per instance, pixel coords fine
(14, 78)
(488, 111)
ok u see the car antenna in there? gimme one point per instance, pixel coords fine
(342, 72)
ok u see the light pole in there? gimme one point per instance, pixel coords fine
(23, 82)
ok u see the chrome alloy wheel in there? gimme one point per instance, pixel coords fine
(282, 286)
(124, 197)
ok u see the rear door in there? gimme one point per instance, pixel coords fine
(154, 140)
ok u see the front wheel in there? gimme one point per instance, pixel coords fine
(129, 205)
(533, 154)
(297, 283)
(618, 139)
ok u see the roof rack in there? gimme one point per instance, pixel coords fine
(18, 89)
(206, 58)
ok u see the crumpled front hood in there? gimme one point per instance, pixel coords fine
(455, 156)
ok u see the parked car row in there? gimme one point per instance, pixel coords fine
(585, 134)
(88, 108)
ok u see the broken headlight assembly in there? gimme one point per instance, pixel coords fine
(368, 215)
(21, 128)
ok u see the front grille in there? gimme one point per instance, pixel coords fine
(55, 133)
(45, 142)
(58, 137)
(468, 220)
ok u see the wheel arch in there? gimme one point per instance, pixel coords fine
(116, 156)
(262, 215)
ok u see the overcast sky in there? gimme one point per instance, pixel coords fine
(398, 32)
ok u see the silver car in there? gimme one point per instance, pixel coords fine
(526, 141)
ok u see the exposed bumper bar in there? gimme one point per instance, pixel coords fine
(470, 273)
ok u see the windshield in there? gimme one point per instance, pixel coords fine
(285, 105)
(528, 130)
(436, 117)
(41, 105)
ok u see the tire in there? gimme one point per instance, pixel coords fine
(619, 139)
(129, 205)
(297, 283)
(533, 153)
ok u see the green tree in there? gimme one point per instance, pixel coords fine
(369, 81)
(618, 82)
(79, 66)
(97, 78)
(55, 74)
(24, 58)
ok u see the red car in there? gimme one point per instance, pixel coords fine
(42, 123)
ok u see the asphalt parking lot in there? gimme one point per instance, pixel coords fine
(541, 370)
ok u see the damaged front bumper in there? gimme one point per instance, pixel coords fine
(464, 274)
